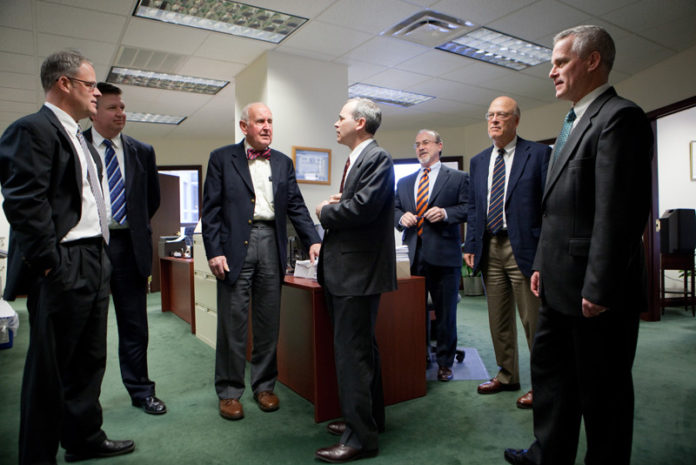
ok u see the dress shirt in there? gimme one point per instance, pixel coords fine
(88, 224)
(117, 143)
(356, 153)
(584, 103)
(260, 169)
(507, 158)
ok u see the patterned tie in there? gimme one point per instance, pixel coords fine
(254, 154)
(422, 198)
(345, 171)
(116, 188)
(563, 136)
(95, 187)
(495, 207)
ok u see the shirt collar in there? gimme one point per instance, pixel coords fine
(584, 103)
(98, 139)
(65, 119)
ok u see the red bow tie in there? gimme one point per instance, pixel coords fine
(254, 154)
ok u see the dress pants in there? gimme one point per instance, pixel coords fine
(581, 368)
(260, 277)
(506, 287)
(358, 367)
(67, 354)
(442, 282)
(129, 292)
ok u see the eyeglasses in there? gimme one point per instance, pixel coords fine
(497, 114)
(89, 84)
(425, 143)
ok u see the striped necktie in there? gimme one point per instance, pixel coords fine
(345, 171)
(563, 136)
(495, 207)
(116, 188)
(422, 198)
(95, 187)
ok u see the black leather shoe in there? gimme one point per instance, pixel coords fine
(151, 405)
(107, 448)
(517, 457)
(340, 453)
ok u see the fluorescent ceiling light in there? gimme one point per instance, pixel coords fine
(153, 118)
(386, 95)
(228, 17)
(138, 77)
(500, 49)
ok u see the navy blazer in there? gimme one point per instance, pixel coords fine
(142, 197)
(441, 241)
(41, 181)
(522, 202)
(596, 205)
(228, 207)
(358, 256)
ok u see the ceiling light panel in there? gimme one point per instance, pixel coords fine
(153, 118)
(142, 78)
(228, 17)
(499, 49)
(386, 95)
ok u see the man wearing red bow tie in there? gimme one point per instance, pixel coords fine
(250, 192)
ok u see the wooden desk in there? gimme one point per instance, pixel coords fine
(305, 344)
(176, 287)
(683, 262)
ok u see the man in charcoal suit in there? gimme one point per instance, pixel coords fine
(590, 264)
(133, 198)
(357, 264)
(429, 207)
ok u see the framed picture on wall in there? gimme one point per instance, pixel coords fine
(692, 152)
(312, 165)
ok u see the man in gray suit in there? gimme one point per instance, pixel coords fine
(590, 263)
(357, 264)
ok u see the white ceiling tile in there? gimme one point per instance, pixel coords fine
(456, 91)
(156, 35)
(326, 39)
(294, 7)
(435, 63)
(19, 81)
(17, 95)
(229, 48)
(480, 12)
(359, 71)
(386, 51)
(96, 51)
(540, 19)
(395, 79)
(650, 13)
(16, 14)
(212, 69)
(676, 35)
(368, 15)
(476, 72)
(78, 22)
(16, 41)
(119, 7)
(17, 63)
(598, 7)
(634, 54)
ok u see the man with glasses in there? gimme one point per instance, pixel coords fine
(430, 205)
(54, 203)
(507, 182)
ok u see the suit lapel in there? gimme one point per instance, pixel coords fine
(410, 185)
(439, 182)
(131, 163)
(275, 170)
(239, 162)
(519, 161)
(585, 123)
(350, 179)
(67, 143)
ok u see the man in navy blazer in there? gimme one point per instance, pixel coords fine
(250, 193)
(134, 197)
(589, 269)
(433, 237)
(505, 253)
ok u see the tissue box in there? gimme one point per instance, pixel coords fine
(304, 269)
(9, 322)
(403, 269)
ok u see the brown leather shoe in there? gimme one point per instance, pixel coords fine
(337, 428)
(494, 386)
(231, 409)
(268, 402)
(444, 374)
(340, 453)
(525, 401)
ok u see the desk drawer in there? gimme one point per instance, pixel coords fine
(205, 285)
(206, 325)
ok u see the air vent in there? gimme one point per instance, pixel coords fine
(429, 28)
(152, 60)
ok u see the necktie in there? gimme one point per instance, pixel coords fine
(95, 187)
(495, 207)
(563, 136)
(254, 154)
(422, 198)
(345, 171)
(116, 188)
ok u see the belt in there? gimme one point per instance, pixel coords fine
(93, 241)
(501, 233)
(263, 224)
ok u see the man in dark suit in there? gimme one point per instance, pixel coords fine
(134, 197)
(51, 182)
(358, 264)
(430, 205)
(590, 265)
(502, 235)
(250, 193)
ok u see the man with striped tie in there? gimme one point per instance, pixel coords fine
(429, 208)
(134, 196)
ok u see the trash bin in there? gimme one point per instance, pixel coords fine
(9, 322)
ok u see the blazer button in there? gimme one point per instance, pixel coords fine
(246, 242)
(250, 221)
(253, 200)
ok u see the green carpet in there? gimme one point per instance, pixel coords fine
(451, 425)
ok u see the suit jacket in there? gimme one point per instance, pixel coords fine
(595, 209)
(441, 241)
(228, 207)
(358, 256)
(41, 181)
(522, 202)
(142, 197)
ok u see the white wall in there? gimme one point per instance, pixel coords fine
(674, 134)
